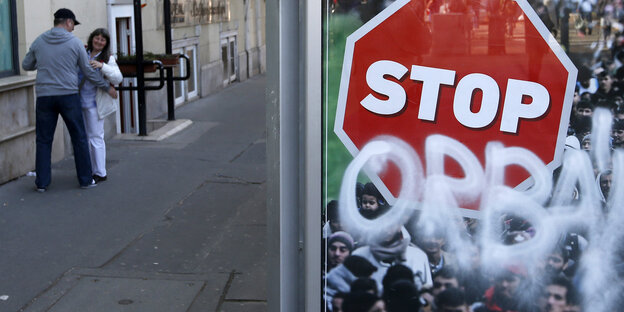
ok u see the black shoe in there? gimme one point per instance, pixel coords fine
(90, 185)
(98, 179)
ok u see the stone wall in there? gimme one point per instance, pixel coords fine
(17, 128)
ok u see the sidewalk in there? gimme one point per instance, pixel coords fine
(180, 225)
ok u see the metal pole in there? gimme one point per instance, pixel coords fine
(169, 70)
(285, 246)
(138, 29)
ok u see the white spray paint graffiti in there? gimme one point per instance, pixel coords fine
(573, 204)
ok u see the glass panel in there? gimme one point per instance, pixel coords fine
(6, 38)
(232, 59)
(191, 81)
(492, 87)
(178, 91)
(224, 59)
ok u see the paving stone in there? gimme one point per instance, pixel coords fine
(97, 294)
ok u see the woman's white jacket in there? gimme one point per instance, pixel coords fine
(106, 105)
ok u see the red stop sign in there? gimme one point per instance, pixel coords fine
(408, 76)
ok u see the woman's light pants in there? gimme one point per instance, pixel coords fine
(95, 133)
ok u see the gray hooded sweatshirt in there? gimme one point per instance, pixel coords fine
(58, 56)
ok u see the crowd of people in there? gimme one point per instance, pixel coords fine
(404, 272)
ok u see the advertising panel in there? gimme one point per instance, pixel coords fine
(470, 156)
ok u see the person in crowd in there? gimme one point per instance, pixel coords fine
(339, 247)
(363, 302)
(619, 111)
(585, 109)
(586, 143)
(607, 87)
(555, 295)
(472, 226)
(603, 179)
(573, 299)
(97, 104)
(57, 55)
(474, 281)
(365, 284)
(575, 244)
(341, 277)
(432, 244)
(556, 262)
(618, 133)
(451, 300)
(394, 249)
(581, 121)
(503, 296)
(585, 9)
(517, 230)
(572, 143)
(402, 296)
(395, 273)
(446, 278)
(337, 301)
(586, 82)
(373, 204)
(333, 219)
(359, 189)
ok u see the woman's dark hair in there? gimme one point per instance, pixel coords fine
(105, 55)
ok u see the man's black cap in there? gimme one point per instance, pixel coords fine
(66, 13)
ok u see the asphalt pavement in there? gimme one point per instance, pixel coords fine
(180, 224)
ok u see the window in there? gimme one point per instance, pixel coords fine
(8, 39)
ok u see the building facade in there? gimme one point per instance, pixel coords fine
(223, 39)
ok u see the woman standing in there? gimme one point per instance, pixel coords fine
(97, 104)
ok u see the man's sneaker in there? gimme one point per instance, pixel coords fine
(41, 189)
(90, 185)
(98, 179)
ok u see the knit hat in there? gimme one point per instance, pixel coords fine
(342, 237)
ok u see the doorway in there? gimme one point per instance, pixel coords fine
(128, 117)
(229, 53)
(185, 90)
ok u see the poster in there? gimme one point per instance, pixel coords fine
(471, 156)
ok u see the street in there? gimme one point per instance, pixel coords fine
(180, 224)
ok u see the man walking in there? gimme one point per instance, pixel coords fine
(58, 56)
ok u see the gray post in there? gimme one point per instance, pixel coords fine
(294, 154)
(168, 70)
(138, 27)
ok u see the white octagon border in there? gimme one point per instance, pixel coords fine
(394, 7)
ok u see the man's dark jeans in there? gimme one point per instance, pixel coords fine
(48, 109)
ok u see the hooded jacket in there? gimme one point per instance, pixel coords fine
(57, 55)
(397, 252)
